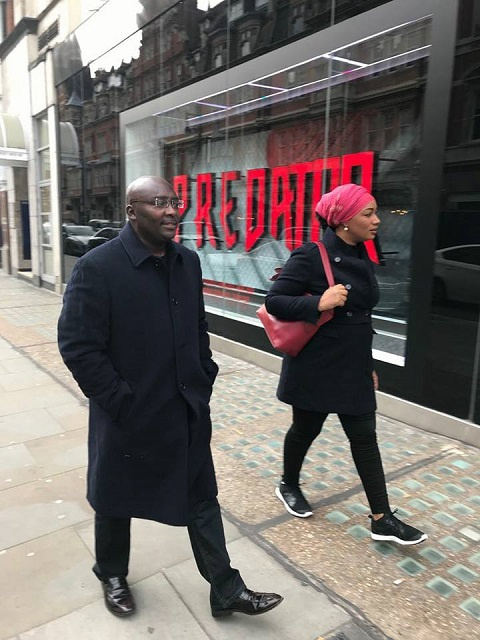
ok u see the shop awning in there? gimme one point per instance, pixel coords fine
(12, 142)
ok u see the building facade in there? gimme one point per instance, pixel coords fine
(253, 109)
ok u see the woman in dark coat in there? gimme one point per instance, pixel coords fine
(334, 372)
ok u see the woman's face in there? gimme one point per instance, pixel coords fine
(363, 226)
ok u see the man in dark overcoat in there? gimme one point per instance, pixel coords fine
(133, 332)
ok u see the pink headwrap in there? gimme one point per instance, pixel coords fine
(343, 203)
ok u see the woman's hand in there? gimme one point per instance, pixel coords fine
(335, 296)
(375, 380)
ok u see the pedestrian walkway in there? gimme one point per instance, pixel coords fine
(337, 583)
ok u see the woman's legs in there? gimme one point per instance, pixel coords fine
(361, 432)
(306, 426)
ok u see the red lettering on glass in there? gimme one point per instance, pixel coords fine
(255, 223)
(181, 187)
(205, 205)
(300, 170)
(227, 207)
(288, 200)
(332, 180)
(281, 205)
(364, 161)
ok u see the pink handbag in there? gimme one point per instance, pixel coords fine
(290, 336)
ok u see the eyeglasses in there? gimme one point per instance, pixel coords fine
(162, 202)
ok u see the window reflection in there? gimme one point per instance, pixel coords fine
(453, 381)
(222, 142)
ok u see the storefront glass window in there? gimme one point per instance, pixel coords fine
(251, 148)
(251, 161)
(452, 379)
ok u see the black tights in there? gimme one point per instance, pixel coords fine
(361, 432)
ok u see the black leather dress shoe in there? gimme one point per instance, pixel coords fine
(253, 603)
(118, 598)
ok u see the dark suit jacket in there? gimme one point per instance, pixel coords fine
(133, 333)
(333, 373)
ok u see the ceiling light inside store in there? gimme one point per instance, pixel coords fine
(265, 86)
(211, 104)
(230, 103)
(339, 59)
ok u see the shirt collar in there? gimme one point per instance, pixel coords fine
(138, 252)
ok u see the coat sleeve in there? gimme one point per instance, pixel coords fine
(208, 364)
(286, 299)
(83, 339)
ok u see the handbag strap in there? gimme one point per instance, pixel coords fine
(326, 263)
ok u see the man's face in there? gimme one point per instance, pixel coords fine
(152, 215)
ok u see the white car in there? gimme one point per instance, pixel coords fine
(457, 274)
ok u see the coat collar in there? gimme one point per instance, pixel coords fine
(138, 252)
(334, 244)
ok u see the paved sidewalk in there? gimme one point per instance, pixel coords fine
(337, 583)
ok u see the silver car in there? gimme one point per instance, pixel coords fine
(457, 274)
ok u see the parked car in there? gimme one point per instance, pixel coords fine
(457, 274)
(102, 236)
(75, 238)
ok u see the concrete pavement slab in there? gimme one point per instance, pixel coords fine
(304, 615)
(48, 357)
(17, 466)
(43, 579)
(161, 615)
(36, 509)
(33, 398)
(24, 380)
(348, 631)
(7, 352)
(28, 425)
(60, 453)
(71, 416)
(18, 364)
(22, 336)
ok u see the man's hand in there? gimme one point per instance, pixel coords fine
(335, 296)
(375, 380)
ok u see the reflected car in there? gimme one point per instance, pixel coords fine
(394, 287)
(457, 274)
(75, 238)
(102, 236)
(98, 223)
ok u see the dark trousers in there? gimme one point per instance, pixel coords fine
(361, 432)
(205, 529)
